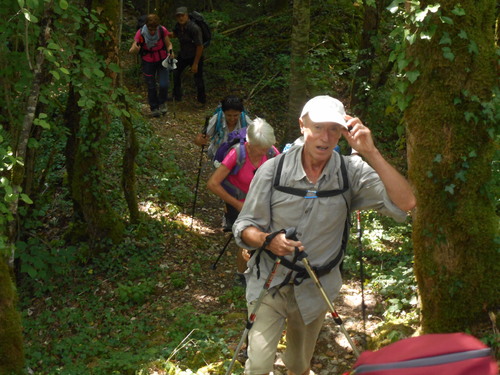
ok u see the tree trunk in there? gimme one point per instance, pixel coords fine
(450, 145)
(18, 171)
(128, 172)
(298, 77)
(371, 20)
(86, 188)
(11, 340)
(72, 122)
(111, 16)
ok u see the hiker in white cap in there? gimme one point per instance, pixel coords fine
(313, 190)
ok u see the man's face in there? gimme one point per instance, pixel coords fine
(320, 138)
(182, 18)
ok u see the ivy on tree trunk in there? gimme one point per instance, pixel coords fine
(450, 145)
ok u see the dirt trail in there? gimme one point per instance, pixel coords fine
(178, 127)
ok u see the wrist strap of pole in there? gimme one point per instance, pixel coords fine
(267, 241)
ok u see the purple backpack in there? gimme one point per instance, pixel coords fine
(236, 138)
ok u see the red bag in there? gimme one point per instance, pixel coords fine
(433, 354)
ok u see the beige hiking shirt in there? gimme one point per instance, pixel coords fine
(319, 222)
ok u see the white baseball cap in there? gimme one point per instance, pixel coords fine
(324, 108)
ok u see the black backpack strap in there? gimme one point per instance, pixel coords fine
(310, 194)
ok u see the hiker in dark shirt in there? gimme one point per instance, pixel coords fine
(153, 43)
(190, 54)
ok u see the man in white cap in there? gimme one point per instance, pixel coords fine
(312, 189)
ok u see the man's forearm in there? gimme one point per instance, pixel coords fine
(397, 187)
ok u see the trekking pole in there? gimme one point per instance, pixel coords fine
(361, 274)
(173, 96)
(289, 232)
(335, 315)
(204, 132)
(214, 266)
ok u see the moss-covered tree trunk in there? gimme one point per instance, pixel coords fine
(11, 341)
(298, 75)
(87, 188)
(109, 14)
(451, 147)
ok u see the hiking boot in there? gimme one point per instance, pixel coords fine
(155, 112)
(163, 108)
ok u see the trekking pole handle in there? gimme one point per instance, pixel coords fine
(205, 127)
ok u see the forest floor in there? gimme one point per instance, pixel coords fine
(178, 128)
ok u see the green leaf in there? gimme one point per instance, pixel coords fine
(420, 15)
(29, 269)
(463, 34)
(393, 8)
(430, 174)
(21, 3)
(87, 73)
(450, 189)
(458, 11)
(447, 20)
(53, 46)
(411, 38)
(29, 17)
(64, 70)
(470, 116)
(26, 199)
(428, 34)
(55, 73)
(445, 39)
(438, 158)
(402, 63)
(472, 48)
(99, 73)
(433, 8)
(63, 4)
(412, 76)
(460, 175)
(114, 67)
(447, 54)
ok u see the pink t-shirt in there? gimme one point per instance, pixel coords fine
(245, 175)
(158, 52)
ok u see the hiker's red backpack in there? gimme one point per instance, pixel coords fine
(433, 354)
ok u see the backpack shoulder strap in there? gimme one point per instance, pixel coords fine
(241, 156)
(243, 119)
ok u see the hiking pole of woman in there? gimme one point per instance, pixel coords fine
(214, 266)
(288, 233)
(204, 132)
(171, 82)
